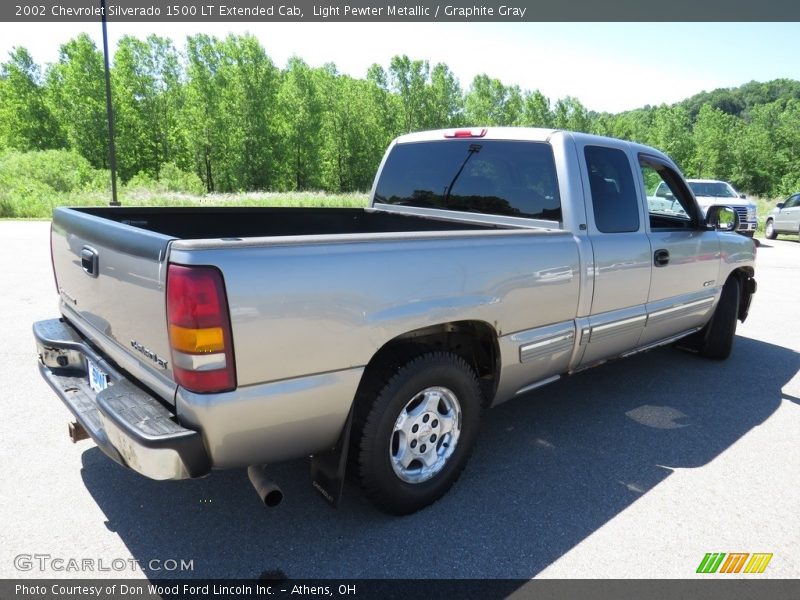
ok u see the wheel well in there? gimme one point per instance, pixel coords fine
(474, 341)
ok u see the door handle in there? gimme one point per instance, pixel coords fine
(89, 261)
(661, 258)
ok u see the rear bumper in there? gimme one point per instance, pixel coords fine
(128, 424)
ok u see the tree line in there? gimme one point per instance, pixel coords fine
(222, 110)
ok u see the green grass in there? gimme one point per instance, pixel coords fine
(41, 206)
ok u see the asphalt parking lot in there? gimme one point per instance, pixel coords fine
(635, 469)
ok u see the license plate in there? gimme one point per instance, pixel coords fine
(98, 380)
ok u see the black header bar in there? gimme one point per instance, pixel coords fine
(371, 11)
(715, 588)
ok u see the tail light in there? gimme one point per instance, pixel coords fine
(199, 329)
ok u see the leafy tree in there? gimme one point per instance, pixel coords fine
(249, 94)
(740, 101)
(203, 118)
(570, 114)
(148, 97)
(633, 125)
(536, 110)
(409, 78)
(25, 119)
(715, 137)
(489, 102)
(446, 98)
(76, 98)
(384, 102)
(300, 122)
(353, 137)
(669, 133)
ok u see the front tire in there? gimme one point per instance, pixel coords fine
(769, 230)
(419, 431)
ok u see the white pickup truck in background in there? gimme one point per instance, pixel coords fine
(711, 192)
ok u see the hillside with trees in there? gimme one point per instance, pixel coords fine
(220, 116)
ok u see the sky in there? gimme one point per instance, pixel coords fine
(607, 66)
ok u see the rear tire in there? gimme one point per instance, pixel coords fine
(419, 431)
(769, 230)
(715, 340)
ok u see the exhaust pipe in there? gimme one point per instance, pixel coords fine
(77, 432)
(269, 492)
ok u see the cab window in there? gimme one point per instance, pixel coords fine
(614, 201)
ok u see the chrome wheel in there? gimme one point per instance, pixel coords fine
(770, 231)
(425, 434)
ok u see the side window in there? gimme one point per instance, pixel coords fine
(793, 202)
(669, 204)
(614, 201)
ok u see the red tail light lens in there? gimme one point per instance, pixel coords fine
(466, 133)
(200, 329)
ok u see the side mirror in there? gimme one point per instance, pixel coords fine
(743, 196)
(779, 205)
(722, 218)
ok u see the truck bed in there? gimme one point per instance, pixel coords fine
(221, 222)
(110, 263)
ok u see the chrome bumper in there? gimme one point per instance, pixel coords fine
(129, 425)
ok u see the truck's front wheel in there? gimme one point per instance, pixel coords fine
(419, 432)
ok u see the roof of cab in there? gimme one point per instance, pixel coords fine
(528, 134)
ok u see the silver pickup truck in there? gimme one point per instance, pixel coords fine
(489, 262)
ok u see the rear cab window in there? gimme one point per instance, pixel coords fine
(615, 202)
(494, 177)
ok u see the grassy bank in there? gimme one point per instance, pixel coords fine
(32, 184)
(42, 207)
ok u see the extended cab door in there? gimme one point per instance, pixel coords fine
(622, 258)
(685, 255)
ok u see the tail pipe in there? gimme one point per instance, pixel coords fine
(269, 492)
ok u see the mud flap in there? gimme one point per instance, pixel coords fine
(748, 290)
(328, 468)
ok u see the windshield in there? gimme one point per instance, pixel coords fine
(516, 179)
(716, 189)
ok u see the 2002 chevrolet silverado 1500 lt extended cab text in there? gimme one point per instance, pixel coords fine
(489, 262)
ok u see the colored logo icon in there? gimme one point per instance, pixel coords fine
(734, 562)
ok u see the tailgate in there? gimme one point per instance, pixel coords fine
(111, 282)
